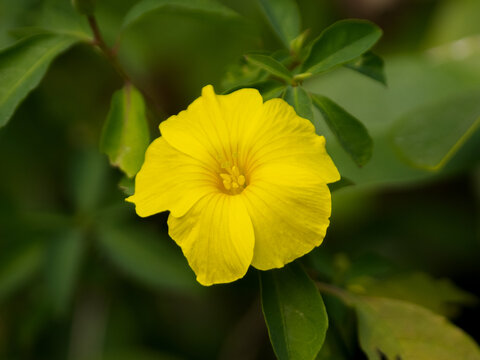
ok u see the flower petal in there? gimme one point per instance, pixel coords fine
(216, 237)
(287, 196)
(170, 180)
(213, 126)
(289, 142)
(288, 221)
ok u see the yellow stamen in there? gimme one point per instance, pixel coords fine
(241, 180)
(232, 180)
(227, 184)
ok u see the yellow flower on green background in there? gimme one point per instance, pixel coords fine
(245, 183)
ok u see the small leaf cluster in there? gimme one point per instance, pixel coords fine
(395, 315)
(282, 73)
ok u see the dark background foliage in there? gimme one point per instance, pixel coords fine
(82, 277)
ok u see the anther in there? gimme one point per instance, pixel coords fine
(232, 180)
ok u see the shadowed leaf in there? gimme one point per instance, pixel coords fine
(23, 65)
(297, 97)
(271, 65)
(294, 312)
(401, 330)
(146, 7)
(125, 136)
(370, 65)
(429, 136)
(350, 132)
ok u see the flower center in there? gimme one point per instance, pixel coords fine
(232, 180)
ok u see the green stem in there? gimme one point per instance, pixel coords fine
(111, 55)
(102, 45)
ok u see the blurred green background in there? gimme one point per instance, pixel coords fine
(82, 277)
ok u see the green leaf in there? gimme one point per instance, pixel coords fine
(271, 90)
(284, 18)
(440, 296)
(393, 329)
(350, 132)
(370, 65)
(294, 312)
(340, 43)
(271, 65)
(23, 65)
(297, 97)
(429, 136)
(434, 76)
(125, 136)
(145, 7)
(146, 256)
(62, 267)
(20, 267)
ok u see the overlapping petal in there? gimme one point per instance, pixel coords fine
(217, 238)
(289, 221)
(214, 127)
(283, 140)
(170, 180)
(287, 197)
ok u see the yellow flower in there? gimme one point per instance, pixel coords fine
(245, 183)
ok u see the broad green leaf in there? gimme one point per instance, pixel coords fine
(243, 75)
(23, 65)
(271, 65)
(125, 136)
(297, 97)
(271, 91)
(60, 17)
(340, 43)
(284, 18)
(145, 256)
(430, 135)
(20, 267)
(63, 261)
(370, 65)
(294, 312)
(145, 7)
(434, 77)
(394, 329)
(350, 132)
(440, 296)
(52, 17)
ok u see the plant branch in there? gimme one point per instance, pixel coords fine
(111, 55)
